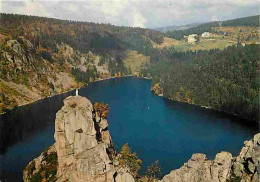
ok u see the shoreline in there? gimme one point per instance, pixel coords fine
(84, 86)
(210, 108)
(147, 78)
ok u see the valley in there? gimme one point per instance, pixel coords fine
(61, 55)
(203, 127)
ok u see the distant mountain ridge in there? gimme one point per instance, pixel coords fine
(179, 27)
(251, 21)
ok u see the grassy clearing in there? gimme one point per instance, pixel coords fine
(135, 61)
(204, 44)
(168, 42)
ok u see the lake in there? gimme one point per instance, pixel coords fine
(154, 127)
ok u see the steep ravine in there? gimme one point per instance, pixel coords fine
(83, 152)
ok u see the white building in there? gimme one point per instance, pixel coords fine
(206, 34)
(192, 38)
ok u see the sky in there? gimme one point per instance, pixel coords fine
(135, 13)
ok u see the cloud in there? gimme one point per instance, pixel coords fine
(141, 13)
(24, 7)
(138, 19)
(71, 7)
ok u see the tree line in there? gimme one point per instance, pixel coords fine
(83, 36)
(226, 80)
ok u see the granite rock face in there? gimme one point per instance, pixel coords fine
(246, 165)
(83, 146)
(83, 152)
(224, 168)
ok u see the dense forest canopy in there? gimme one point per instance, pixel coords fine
(82, 36)
(226, 80)
(109, 41)
(251, 21)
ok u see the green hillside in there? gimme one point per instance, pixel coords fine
(252, 21)
(41, 57)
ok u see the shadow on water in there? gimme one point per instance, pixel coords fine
(207, 115)
(24, 134)
(22, 122)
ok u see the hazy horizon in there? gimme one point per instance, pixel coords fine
(145, 14)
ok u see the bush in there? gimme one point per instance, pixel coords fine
(130, 160)
(154, 171)
(102, 109)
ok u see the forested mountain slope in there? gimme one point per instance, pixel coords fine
(41, 57)
(226, 80)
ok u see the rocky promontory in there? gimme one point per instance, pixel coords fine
(83, 151)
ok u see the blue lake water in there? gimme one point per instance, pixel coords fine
(155, 128)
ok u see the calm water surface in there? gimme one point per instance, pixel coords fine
(154, 127)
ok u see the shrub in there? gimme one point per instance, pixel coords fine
(102, 109)
(154, 171)
(130, 160)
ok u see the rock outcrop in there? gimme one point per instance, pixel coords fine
(83, 147)
(29, 73)
(224, 168)
(26, 76)
(83, 152)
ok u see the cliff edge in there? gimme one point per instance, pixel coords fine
(224, 168)
(83, 149)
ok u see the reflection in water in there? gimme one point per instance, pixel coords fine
(155, 128)
(202, 116)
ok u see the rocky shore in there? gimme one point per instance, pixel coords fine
(81, 86)
(83, 151)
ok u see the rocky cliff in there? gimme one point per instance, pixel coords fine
(224, 168)
(83, 149)
(29, 73)
(41, 57)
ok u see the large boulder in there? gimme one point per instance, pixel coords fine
(15, 45)
(246, 165)
(198, 168)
